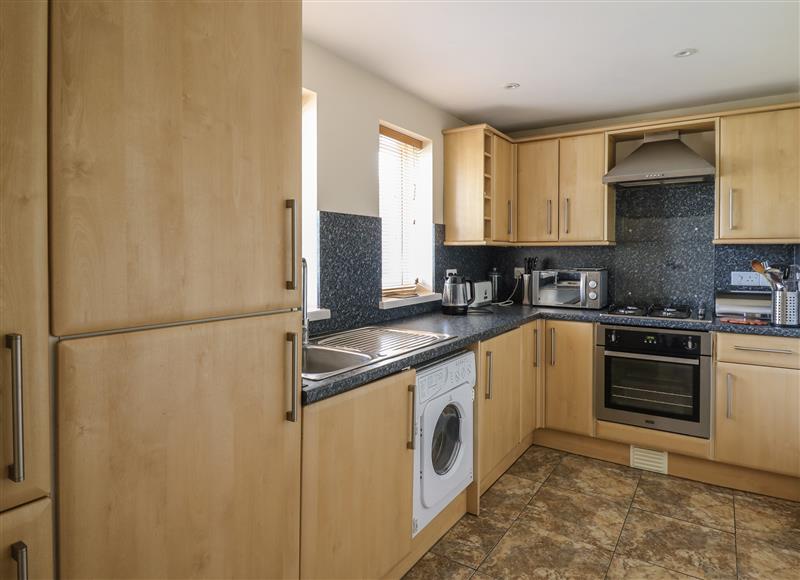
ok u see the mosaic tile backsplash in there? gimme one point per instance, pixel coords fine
(664, 253)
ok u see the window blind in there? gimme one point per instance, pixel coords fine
(398, 173)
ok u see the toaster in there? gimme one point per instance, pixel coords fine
(483, 294)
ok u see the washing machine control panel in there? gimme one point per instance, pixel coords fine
(456, 372)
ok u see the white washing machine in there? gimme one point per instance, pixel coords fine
(443, 455)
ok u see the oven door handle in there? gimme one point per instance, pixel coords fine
(653, 357)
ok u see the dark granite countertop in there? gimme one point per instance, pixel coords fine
(468, 330)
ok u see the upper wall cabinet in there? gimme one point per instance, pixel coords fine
(175, 161)
(503, 180)
(759, 177)
(544, 192)
(561, 198)
(478, 186)
(582, 195)
(537, 191)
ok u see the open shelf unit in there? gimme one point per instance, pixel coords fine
(487, 185)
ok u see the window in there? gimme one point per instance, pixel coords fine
(405, 180)
(309, 205)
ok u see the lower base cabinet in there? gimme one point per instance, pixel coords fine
(177, 458)
(498, 394)
(26, 540)
(357, 481)
(758, 417)
(531, 365)
(569, 376)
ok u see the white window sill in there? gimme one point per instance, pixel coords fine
(389, 303)
(319, 314)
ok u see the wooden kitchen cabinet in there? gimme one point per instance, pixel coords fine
(759, 177)
(357, 481)
(532, 358)
(569, 375)
(28, 527)
(479, 184)
(582, 194)
(176, 454)
(498, 392)
(537, 191)
(175, 160)
(23, 253)
(468, 186)
(758, 417)
(503, 180)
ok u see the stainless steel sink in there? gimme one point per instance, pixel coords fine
(320, 362)
(338, 353)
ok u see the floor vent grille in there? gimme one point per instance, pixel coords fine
(648, 459)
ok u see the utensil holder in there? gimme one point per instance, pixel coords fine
(784, 307)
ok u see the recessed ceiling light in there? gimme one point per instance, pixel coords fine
(511, 86)
(684, 52)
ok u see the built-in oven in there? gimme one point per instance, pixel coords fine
(654, 378)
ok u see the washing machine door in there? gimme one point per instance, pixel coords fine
(446, 440)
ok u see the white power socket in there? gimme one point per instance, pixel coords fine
(518, 272)
(451, 272)
(747, 279)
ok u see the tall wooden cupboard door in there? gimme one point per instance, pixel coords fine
(537, 191)
(759, 176)
(569, 375)
(581, 189)
(358, 481)
(175, 161)
(757, 422)
(531, 365)
(177, 458)
(502, 189)
(24, 358)
(499, 392)
(26, 541)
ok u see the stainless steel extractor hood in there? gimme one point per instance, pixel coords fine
(661, 158)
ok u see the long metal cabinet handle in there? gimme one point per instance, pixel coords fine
(291, 204)
(19, 551)
(412, 440)
(490, 375)
(772, 350)
(16, 471)
(552, 347)
(549, 217)
(730, 209)
(729, 396)
(536, 347)
(291, 414)
(566, 215)
(508, 229)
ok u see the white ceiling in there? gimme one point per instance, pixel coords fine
(574, 61)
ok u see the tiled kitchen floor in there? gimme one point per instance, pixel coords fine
(557, 515)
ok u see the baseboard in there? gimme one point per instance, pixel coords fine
(694, 468)
(652, 439)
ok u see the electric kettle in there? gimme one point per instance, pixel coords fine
(455, 296)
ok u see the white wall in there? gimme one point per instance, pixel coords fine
(350, 105)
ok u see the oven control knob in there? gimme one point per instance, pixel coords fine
(592, 295)
(592, 284)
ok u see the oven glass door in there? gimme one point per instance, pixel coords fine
(653, 385)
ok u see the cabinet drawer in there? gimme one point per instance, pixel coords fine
(771, 351)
